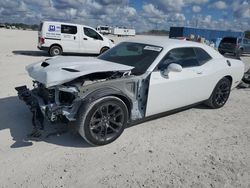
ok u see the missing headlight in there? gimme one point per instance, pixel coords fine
(66, 98)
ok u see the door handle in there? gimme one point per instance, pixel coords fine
(74, 37)
(199, 72)
(85, 39)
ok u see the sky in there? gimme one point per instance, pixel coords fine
(143, 15)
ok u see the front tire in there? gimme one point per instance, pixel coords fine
(104, 49)
(103, 121)
(220, 94)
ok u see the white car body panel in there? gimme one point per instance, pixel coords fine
(76, 43)
(192, 85)
(53, 74)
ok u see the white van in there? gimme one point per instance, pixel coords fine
(105, 30)
(58, 37)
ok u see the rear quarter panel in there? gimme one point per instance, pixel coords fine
(228, 67)
(236, 70)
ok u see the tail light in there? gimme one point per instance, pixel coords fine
(42, 40)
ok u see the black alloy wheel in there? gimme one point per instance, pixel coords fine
(220, 94)
(103, 121)
(106, 122)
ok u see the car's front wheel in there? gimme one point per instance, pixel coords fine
(104, 49)
(220, 94)
(103, 121)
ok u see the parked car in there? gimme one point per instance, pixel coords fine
(236, 46)
(59, 37)
(132, 81)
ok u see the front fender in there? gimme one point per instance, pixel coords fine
(103, 92)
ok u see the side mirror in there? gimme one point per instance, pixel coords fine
(173, 67)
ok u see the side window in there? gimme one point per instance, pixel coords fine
(202, 56)
(185, 57)
(68, 29)
(92, 34)
(245, 41)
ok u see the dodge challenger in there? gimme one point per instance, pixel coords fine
(132, 81)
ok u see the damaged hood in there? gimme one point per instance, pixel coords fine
(59, 70)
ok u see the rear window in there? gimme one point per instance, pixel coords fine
(229, 40)
(40, 27)
(202, 56)
(68, 29)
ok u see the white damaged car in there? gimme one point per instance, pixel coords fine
(134, 80)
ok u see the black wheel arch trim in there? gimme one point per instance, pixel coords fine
(104, 47)
(104, 92)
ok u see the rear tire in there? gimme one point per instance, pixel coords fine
(220, 94)
(55, 51)
(102, 121)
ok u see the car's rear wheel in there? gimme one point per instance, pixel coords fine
(55, 51)
(103, 121)
(220, 94)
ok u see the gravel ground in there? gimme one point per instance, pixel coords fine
(197, 147)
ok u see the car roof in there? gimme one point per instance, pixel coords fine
(165, 42)
(53, 22)
(168, 44)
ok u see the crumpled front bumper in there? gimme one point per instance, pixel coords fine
(52, 112)
(34, 105)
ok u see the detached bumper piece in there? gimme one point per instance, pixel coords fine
(31, 101)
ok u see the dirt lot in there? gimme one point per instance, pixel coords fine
(198, 147)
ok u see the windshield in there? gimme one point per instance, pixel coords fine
(140, 56)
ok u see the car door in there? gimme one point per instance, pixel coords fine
(178, 89)
(69, 38)
(91, 41)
